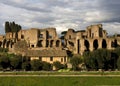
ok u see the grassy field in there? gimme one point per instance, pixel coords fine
(60, 73)
(60, 81)
(19, 78)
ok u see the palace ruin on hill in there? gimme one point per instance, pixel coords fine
(45, 45)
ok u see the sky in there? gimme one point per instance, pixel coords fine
(61, 14)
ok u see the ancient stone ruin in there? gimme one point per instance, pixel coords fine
(44, 44)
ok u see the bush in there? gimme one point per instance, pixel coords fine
(36, 65)
(100, 59)
(16, 62)
(58, 65)
(47, 66)
(4, 62)
(26, 66)
(3, 49)
(75, 61)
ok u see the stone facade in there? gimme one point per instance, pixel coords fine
(35, 43)
(45, 44)
(94, 37)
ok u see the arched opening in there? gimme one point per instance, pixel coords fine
(39, 44)
(22, 36)
(114, 43)
(51, 43)
(87, 45)
(57, 43)
(47, 43)
(32, 46)
(95, 44)
(11, 45)
(0, 44)
(78, 44)
(4, 42)
(8, 44)
(104, 44)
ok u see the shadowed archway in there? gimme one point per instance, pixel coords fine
(114, 43)
(57, 43)
(7, 44)
(39, 44)
(87, 45)
(0, 44)
(51, 43)
(95, 44)
(104, 44)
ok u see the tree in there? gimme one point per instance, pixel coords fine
(46, 66)
(7, 27)
(3, 49)
(75, 61)
(117, 56)
(63, 34)
(103, 57)
(90, 61)
(117, 51)
(58, 65)
(4, 61)
(12, 27)
(26, 66)
(99, 59)
(36, 65)
(16, 62)
(118, 63)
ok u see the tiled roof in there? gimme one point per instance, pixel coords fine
(46, 53)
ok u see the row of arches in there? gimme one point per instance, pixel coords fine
(49, 43)
(97, 44)
(6, 44)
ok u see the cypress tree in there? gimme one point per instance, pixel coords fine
(7, 27)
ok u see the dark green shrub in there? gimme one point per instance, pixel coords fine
(36, 65)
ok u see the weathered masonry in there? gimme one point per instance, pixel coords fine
(45, 45)
(94, 37)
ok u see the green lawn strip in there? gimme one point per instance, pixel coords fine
(59, 73)
(59, 81)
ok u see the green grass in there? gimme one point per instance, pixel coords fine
(60, 73)
(59, 81)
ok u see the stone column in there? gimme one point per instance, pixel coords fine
(91, 45)
(82, 49)
(109, 44)
(100, 43)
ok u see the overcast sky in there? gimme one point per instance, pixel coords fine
(62, 14)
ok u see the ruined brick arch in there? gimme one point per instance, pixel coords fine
(104, 43)
(0, 44)
(78, 45)
(4, 43)
(47, 43)
(51, 43)
(57, 43)
(39, 44)
(95, 44)
(114, 43)
(87, 45)
(11, 44)
(7, 44)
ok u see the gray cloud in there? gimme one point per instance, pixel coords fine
(111, 9)
(62, 14)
